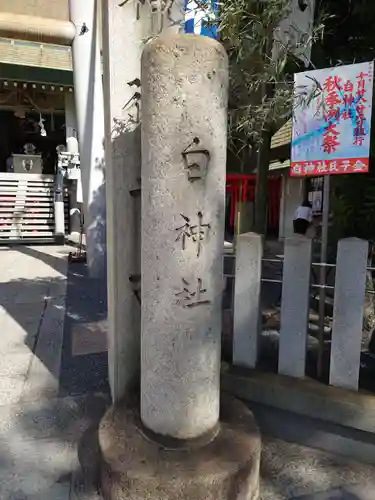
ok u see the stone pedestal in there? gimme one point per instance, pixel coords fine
(136, 467)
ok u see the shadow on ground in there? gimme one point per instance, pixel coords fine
(26, 302)
(43, 439)
(86, 301)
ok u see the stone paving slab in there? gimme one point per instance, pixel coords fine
(44, 373)
(89, 338)
(60, 418)
(293, 472)
(16, 365)
(36, 468)
(11, 390)
(358, 492)
(19, 326)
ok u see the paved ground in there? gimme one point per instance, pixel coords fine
(46, 405)
(54, 388)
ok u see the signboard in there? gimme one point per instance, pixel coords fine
(332, 120)
(201, 17)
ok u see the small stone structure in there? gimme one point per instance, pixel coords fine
(180, 439)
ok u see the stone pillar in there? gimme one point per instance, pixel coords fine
(295, 306)
(121, 69)
(88, 93)
(350, 285)
(184, 127)
(249, 253)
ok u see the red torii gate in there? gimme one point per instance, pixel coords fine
(241, 187)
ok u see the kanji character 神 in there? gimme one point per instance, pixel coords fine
(196, 232)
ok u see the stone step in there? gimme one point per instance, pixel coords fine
(315, 433)
(294, 472)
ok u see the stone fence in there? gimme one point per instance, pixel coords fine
(348, 307)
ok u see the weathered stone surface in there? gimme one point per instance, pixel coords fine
(295, 306)
(351, 269)
(136, 468)
(123, 171)
(184, 100)
(249, 250)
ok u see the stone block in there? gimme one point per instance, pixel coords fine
(136, 467)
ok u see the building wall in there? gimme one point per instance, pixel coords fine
(54, 9)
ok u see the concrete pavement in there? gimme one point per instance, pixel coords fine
(54, 389)
(40, 425)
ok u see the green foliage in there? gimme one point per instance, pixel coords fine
(353, 206)
(349, 33)
(261, 82)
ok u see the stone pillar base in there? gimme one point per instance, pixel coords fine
(136, 467)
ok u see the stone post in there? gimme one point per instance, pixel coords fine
(121, 69)
(123, 25)
(249, 253)
(350, 285)
(88, 93)
(295, 306)
(184, 134)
